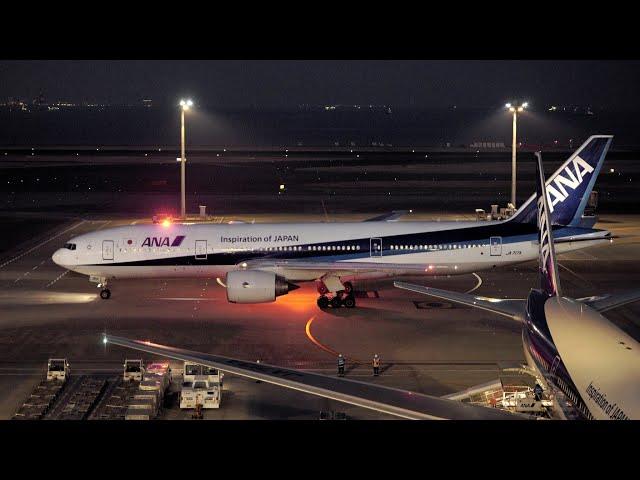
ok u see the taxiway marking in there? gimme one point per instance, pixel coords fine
(41, 244)
(477, 285)
(58, 278)
(310, 336)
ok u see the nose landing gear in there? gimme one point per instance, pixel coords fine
(105, 293)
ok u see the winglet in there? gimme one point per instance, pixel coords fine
(549, 281)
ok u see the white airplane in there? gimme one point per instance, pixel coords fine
(567, 342)
(261, 261)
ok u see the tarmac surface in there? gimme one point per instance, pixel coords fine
(425, 346)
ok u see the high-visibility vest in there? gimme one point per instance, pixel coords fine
(376, 362)
(340, 361)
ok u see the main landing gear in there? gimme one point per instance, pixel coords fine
(341, 294)
(340, 299)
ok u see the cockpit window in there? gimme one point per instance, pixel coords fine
(70, 246)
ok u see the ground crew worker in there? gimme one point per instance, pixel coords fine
(376, 365)
(341, 365)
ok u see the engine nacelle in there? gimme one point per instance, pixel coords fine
(255, 286)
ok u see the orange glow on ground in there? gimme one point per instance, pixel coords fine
(299, 301)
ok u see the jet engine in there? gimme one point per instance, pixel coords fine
(255, 286)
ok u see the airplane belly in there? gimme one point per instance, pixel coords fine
(161, 271)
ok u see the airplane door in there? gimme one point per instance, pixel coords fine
(495, 246)
(107, 249)
(376, 247)
(201, 249)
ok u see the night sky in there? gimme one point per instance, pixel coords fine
(611, 85)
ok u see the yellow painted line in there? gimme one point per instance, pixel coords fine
(310, 336)
(316, 342)
(477, 285)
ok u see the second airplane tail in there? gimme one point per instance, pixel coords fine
(549, 281)
(569, 187)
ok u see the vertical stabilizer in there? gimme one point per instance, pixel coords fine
(548, 267)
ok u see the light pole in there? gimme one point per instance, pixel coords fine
(514, 108)
(184, 106)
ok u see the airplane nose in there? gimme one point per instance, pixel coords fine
(58, 257)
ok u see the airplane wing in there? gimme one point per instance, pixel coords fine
(388, 217)
(513, 309)
(393, 401)
(604, 303)
(328, 266)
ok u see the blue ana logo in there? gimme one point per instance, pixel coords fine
(162, 241)
(558, 193)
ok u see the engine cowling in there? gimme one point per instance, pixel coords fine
(255, 286)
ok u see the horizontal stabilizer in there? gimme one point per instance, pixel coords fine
(388, 217)
(609, 302)
(513, 309)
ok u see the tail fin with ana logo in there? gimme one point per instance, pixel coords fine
(569, 187)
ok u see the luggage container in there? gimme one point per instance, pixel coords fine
(139, 414)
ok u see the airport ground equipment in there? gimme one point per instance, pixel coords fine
(516, 390)
(40, 400)
(201, 387)
(146, 403)
(133, 370)
(331, 415)
(58, 369)
(79, 400)
(115, 401)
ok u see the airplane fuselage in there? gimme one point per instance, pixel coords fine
(599, 368)
(210, 250)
